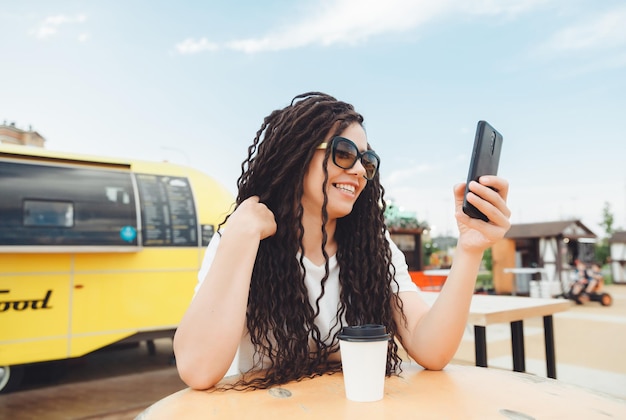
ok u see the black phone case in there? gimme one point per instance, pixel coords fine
(485, 161)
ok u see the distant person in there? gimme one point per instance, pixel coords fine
(596, 279)
(581, 280)
(306, 251)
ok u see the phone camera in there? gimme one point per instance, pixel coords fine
(493, 142)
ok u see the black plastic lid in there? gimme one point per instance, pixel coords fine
(366, 332)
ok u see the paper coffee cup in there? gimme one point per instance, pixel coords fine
(363, 361)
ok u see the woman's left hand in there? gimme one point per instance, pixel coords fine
(489, 196)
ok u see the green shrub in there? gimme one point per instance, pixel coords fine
(484, 281)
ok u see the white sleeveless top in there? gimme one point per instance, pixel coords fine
(328, 304)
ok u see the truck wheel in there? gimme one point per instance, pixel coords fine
(10, 378)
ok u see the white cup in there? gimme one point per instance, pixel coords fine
(363, 361)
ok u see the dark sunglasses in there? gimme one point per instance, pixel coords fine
(345, 154)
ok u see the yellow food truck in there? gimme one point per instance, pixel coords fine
(96, 251)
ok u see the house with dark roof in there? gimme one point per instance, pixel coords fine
(409, 241)
(551, 246)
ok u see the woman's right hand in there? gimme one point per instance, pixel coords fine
(251, 216)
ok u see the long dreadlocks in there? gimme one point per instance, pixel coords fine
(279, 317)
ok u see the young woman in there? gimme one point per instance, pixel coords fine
(306, 251)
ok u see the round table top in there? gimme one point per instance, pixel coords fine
(456, 392)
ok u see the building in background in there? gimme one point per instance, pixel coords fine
(552, 246)
(618, 257)
(10, 134)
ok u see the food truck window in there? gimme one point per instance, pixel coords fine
(66, 205)
(48, 213)
(168, 212)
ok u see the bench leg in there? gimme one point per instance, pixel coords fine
(517, 344)
(548, 331)
(480, 345)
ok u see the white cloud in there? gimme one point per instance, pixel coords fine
(349, 22)
(46, 31)
(51, 24)
(606, 30)
(509, 9)
(192, 46)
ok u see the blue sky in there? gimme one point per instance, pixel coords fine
(191, 81)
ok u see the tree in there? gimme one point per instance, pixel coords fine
(602, 249)
(488, 259)
(607, 219)
(396, 217)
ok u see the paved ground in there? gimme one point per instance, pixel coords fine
(119, 384)
(111, 384)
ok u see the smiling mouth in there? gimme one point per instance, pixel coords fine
(345, 187)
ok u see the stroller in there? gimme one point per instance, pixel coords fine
(587, 285)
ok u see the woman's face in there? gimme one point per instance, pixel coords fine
(344, 185)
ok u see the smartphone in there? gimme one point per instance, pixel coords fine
(485, 161)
